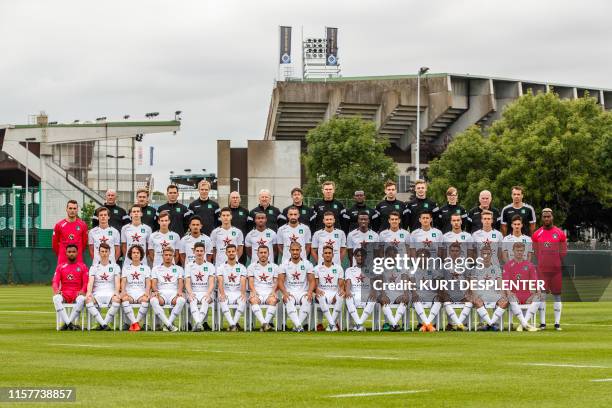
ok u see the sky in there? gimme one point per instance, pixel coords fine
(217, 60)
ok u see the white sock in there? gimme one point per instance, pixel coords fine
(433, 312)
(78, 307)
(350, 306)
(95, 313)
(159, 311)
(110, 315)
(533, 308)
(176, 310)
(204, 308)
(142, 311)
(337, 308)
(270, 312)
(558, 306)
(420, 311)
(292, 312)
(389, 315)
(465, 311)
(239, 311)
(543, 312)
(497, 314)
(195, 312)
(451, 313)
(367, 311)
(401, 309)
(325, 309)
(258, 314)
(304, 311)
(484, 315)
(129, 312)
(226, 312)
(58, 301)
(516, 310)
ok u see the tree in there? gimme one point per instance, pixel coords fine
(560, 151)
(349, 152)
(87, 212)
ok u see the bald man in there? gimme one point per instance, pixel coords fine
(265, 206)
(473, 222)
(240, 215)
(118, 216)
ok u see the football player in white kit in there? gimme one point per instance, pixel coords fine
(423, 294)
(103, 288)
(187, 243)
(480, 298)
(260, 235)
(462, 237)
(394, 296)
(162, 239)
(135, 233)
(167, 289)
(330, 236)
(106, 234)
(296, 281)
(358, 290)
(293, 231)
(232, 277)
(488, 236)
(263, 279)
(360, 236)
(455, 295)
(395, 235)
(427, 236)
(135, 286)
(330, 288)
(516, 236)
(225, 235)
(200, 287)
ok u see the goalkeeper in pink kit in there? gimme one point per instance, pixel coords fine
(70, 230)
(69, 286)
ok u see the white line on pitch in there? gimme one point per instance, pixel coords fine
(375, 394)
(25, 311)
(82, 345)
(364, 357)
(561, 365)
(587, 324)
(602, 380)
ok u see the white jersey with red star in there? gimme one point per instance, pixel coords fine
(135, 235)
(508, 243)
(104, 277)
(167, 277)
(487, 273)
(359, 281)
(160, 240)
(432, 239)
(288, 234)
(328, 277)
(263, 276)
(256, 238)
(108, 235)
(199, 275)
(188, 241)
(463, 238)
(492, 239)
(335, 238)
(221, 238)
(399, 239)
(231, 276)
(136, 276)
(357, 238)
(296, 275)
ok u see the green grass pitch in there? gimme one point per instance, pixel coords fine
(476, 369)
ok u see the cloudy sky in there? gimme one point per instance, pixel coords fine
(216, 60)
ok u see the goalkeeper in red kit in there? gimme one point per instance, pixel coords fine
(69, 286)
(70, 230)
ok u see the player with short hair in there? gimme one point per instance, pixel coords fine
(104, 233)
(420, 203)
(305, 214)
(329, 288)
(387, 206)
(70, 230)
(519, 269)
(395, 235)
(360, 237)
(456, 234)
(424, 277)
(260, 235)
(103, 288)
(293, 231)
(135, 233)
(135, 286)
(149, 214)
(480, 298)
(516, 236)
(167, 284)
(200, 286)
(443, 221)
(329, 235)
(474, 222)
(187, 243)
(394, 296)
(523, 210)
(358, 289)
(225, 235)
(70, 285)
(163, 239)
(232, 278)
(296, 281)
(426, 236)
(488, 237)
(263, 279)
(205, 208)
(265, 206)
(351, 215)
(454, 275)
(177, 212)
(327, 204)
(550, 244)
(117, 215)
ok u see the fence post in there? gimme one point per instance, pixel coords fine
(14, 217)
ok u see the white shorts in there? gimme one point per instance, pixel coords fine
(232, 297)
(200, 296)
(135, 294)
(298, 296)
(263, 296)
(167, 295)
(329, 296)
(357, 298)
(103, 299)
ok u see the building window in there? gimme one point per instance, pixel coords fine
(403, 183)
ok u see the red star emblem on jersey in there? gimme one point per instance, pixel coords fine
(136, 237)
(427, 242)
(104, 239)
(294, 238)
(547, 244)
(227, 241)
(135, 275)
(262, 242)
(71, 237)
(296, 275)
(263, 277)
(487, 243)
(329, 279)
(70, 276)
(164, 244)
(330, 242)
(360, 278)
(104, 276)
(167, 277)
(199, 276)
(395, 242)
(232, 278)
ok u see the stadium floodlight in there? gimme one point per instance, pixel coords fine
(237, 180)
(126, 117)
(152, 114)
(417, 155)
(101, 118)
(76, 121)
